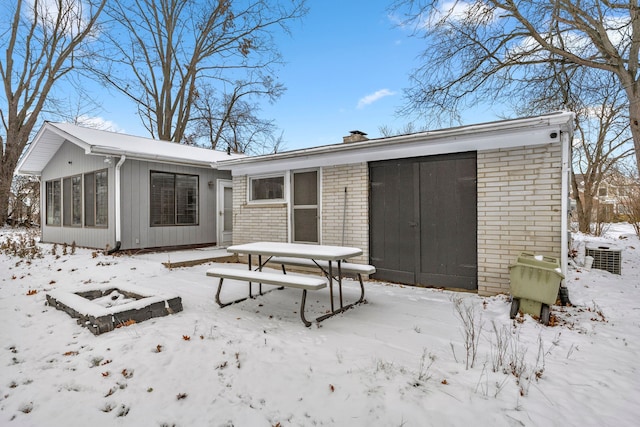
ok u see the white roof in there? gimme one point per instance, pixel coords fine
(105, 143)
(537, 130)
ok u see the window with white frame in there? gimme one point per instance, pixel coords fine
(267, 188)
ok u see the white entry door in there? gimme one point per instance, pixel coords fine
(225, 212)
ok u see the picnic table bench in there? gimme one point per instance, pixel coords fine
(344, 268)
(311, 283)
(329, 259)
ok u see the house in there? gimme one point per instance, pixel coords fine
(103, 189)
(446, 208)
(611, 199)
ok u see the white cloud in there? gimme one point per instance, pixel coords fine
(455, 10)
(448, 12)
(97, 123)
(371, 98)
(472, 11)
(67, 17)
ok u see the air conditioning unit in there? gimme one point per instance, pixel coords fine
(605, 258)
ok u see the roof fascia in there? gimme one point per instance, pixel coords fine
(469, 138)
(69, 137)
(108, 151)
(89, 149)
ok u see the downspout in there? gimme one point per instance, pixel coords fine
(43, 211)
(117, 205)
(564, 227)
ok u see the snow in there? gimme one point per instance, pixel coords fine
(105, 143)
(324, 252)
(114, 302)
(120, 142)
(399, 360)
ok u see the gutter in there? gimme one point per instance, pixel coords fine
(456, 133)
(108, 151)
(564, 226)
(117, 206)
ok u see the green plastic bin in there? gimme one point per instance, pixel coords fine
(534, 281)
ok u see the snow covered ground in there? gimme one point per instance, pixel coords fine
(399, 360)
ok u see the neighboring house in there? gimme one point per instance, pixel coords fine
(609, 202)
(446, 208)
(103, 189)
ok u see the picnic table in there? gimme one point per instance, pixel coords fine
(331, 260)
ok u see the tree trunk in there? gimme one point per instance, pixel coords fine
(634, 118)
(6, 175)
(8, 164)
(584, 205)
(584, 216)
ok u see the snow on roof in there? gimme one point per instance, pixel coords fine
(106, 143)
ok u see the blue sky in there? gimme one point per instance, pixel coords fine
(346, 66)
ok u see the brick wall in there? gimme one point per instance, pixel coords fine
(256, 222)
(348, 227)
(269, 222)
(519, 209)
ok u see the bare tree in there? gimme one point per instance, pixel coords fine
(409, 127)
(42, 43)
(628, 184)
(477, 47)
(602, 139)
(167, 50)
(230, 120)
(24, 201)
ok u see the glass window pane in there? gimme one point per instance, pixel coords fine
(96, 199)
(305, 188)
(174, 199)
(102, 199)
(54, 202)
(76, 191)
(72, 201)
(271, 188)
(228, 209)
(66, 201)
(186, 199)
(162, 198)
(89, 200)
(306, 225)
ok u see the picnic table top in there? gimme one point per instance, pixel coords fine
(297, 250)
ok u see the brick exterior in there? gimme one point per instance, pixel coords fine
(519, 209)
(256, 222)
(269, 222)
(355, 219)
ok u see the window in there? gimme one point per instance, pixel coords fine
(174, 199)
(96, 199)
(54, 202)
(72, 201)
(266, 188)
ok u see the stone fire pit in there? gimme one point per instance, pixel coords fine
(104, 308)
